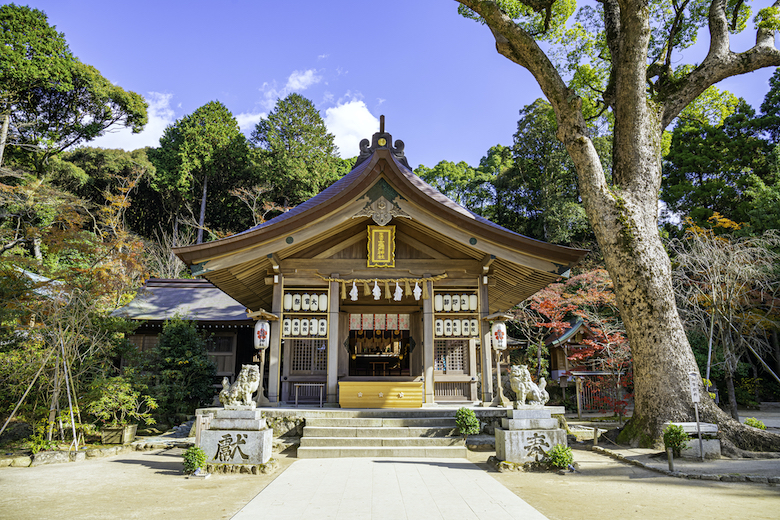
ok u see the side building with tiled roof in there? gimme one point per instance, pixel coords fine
(223, 321)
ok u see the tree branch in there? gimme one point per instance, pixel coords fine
(520, 47)
(720, 63)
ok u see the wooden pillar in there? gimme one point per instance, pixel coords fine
(333, 342)
(473, 370)
(428, 351)
(487, 347)
(578, 386)
(275, 342)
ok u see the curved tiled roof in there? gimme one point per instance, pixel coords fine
(332, 195)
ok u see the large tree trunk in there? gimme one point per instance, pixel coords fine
(3, 135)
(202, 218)
(732, 396)
(624, 213)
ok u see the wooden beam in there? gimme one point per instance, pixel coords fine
(275, 262)
(325, 265)
(486, 263)
(341, 245)
(449, 229)
(428, 250)
(262, 314)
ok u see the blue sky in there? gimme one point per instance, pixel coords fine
(434, 75)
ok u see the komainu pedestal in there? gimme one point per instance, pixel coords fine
(528, 433)
(237, 437)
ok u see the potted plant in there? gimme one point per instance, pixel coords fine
(118, 407)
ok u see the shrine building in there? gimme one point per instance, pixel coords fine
(376, 290)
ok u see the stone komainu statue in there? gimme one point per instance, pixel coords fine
(524, 387)
(240, 392)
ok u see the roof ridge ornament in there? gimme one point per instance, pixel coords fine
(381, 139)
(382, 211)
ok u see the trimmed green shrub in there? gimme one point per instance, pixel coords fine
(675, 438)
(559, 456)
(194, 458)
(181, 372)
(467, 422)
(755, 423)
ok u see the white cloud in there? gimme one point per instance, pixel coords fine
(247, 121)
(350, 122)
(296, 82)
(301, 80)
(160, 116)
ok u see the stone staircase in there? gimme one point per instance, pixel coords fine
(382, 433)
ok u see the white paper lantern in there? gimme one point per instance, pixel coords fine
(473, 302)
(296, 327)
(465, 327)
(314, 326)
(323, 327)
(262, 333)
(448, 327)
(305, 302)
(464, 303)
(437, 303)
(455, 303)
(314, 305)
(323, 302)
(498, 333)
(474, 328)
(456, 327)
(304, 327)
(296, 306)
(447, 303)
(287, 327)
(287, 301)
(439, 328)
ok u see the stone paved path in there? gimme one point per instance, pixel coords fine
(386, 488)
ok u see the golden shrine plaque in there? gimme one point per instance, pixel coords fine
(381, 246)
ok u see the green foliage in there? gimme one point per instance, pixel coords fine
(530, 355)
(460, 182)
(467, 422)
(38, 440)
(675, 438)
(53, 100)
(90, 172)
(34, 54)
(295, 154)
(755, 423)
(768, 19)
(201, 153)
(709, 169)
(542, 186)
(559, 456)
(529, 188)
(769, 123)
(181, 372)
(194, 458)
(114, 402)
